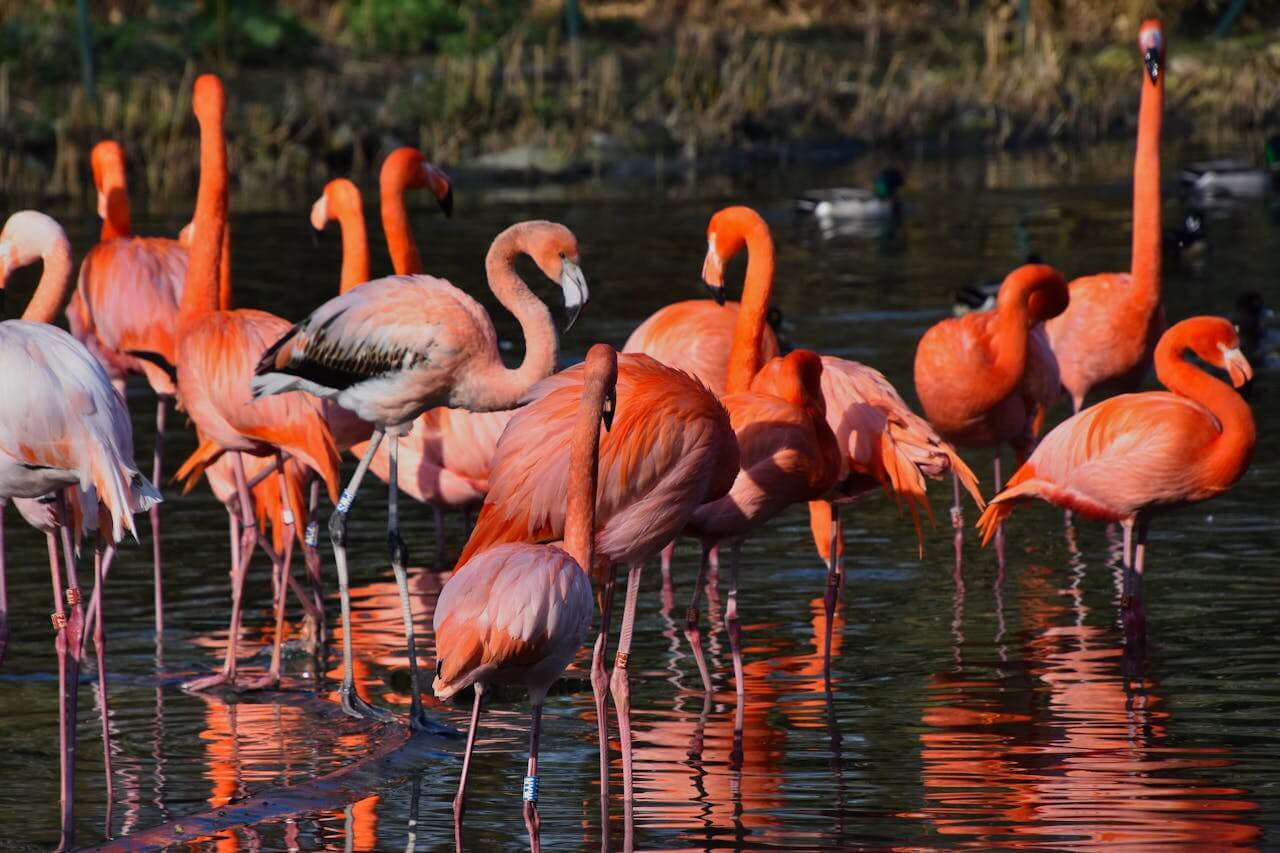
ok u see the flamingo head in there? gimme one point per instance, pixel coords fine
(555, 250)
(340, 198)
(107, 160)
(1041, 285)
(602, 370)
(1215, 341)
(208, 99)
(799, 380)
(408, 168)
(726, 236)
(1151, 43)
(28, 236)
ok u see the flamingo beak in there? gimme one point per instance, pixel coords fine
(610, 406)
(1238, 367)
(1151, 59)
(102, 205)
(441, 187)
(713, 272)
(319, 218)
(576, 294)
(446, 202)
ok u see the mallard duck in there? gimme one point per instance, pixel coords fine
(1189, 238)
(1259, 341)
(880, 202)
(1235, 177)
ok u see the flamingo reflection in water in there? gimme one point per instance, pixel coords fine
(1074, 751)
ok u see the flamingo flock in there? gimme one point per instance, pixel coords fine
(699, 427)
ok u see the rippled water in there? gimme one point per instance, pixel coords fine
(968, 710)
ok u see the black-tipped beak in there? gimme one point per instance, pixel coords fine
(716, 293)
(610, 406)
(1246, 390)
(1151, 59)
(316, 234)
(446, 203)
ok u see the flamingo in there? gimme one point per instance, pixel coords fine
(127, 299)
(884, 445)
(671, 448)
(986, 379)
(447, 449)
(517, 613)
(1109, 329)
(1131, 456)
(392, 348)
(215, 353)
(63, 425)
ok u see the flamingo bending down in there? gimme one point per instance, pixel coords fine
(216, 351)
(127, 299)
(392, 348)
(987, 378)
(670, 449)
(1131, 456)
(62, 425)
(517, 613)
(1108, 332)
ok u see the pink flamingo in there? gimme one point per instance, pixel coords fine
(987, 378)
(392, 348)
(1107, 334)
(63, 425)
(1133, 455)
(884, 445)
(127, 299)
(518, 613)
(670, 449)
(215, 353)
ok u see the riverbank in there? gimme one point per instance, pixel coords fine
(533, 105)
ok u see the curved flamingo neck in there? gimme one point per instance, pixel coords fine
(55, 279)
(584, 464)
(115, 207)
(1010, 336)
(355, 243)
(746, 355)
(1145, 259)
(1234, 447)
(202, 291)
(501, 387)
(405, 259)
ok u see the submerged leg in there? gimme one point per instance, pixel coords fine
(999, 527)
(691, 630)
(399, 556)
(315, 621)
(668, 590)
(957, 518)
(100, 647)
(599, 688)
(66, 712)
(352, 704)
(620, 681)
(734, 627)
(832, 592)
(285, 569)
(530, 791)
(154, 512)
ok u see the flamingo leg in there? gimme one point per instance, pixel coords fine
(240, 559)
(418, 719)
(157, 455)
(531, 820)
(90, 616)
(100, 648)
(315, 623)
(66, 708)
(285, 561)
(734, 629)
(352, 704)
(957, 518)
(4, 591)
(691, 630)
(460, 798)
(620, 681)
(599, 684)
(1139, 557)
(999, 527)
(668, 589)
(832, 591)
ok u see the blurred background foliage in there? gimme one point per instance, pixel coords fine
(319, 86)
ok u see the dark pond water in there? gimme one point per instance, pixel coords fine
(972, 710)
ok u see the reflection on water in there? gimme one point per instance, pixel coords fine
(966, 710)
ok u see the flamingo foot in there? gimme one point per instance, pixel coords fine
(422, 722)
(354, 706)
(238, 683)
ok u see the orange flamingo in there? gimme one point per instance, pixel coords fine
(884, 445)
(517, 613)
(671, 448)
(1107, 334)
(1136, 454)
(127, 299)
(215, 353)
(390, 349)
(63, 425)
(986, 379)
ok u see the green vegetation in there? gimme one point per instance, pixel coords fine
(319, 88)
